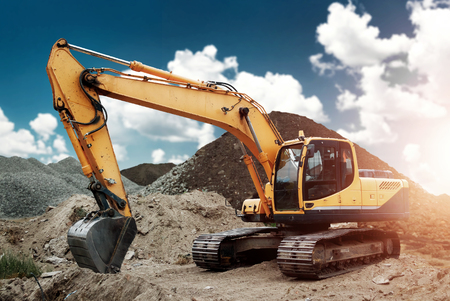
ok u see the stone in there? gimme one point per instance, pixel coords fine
(380, 280)
(58, 246)
(129, 255)
(55, 260)
(50, 274)
(49, 208)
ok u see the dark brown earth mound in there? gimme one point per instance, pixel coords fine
(218, 166)
(146, 173)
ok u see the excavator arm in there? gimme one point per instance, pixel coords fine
(101, 240)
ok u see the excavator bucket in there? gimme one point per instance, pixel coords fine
(100, 243)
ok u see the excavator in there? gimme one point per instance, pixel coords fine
(313, 181)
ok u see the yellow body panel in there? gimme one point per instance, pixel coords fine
(369, 192)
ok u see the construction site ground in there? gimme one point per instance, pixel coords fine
(161, 267)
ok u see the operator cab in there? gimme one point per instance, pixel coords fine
(326, 168)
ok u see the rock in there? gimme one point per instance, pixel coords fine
(208, 288)
(49, 208)
(141, 255)
(55, 260)
(50, 274)
(58, 246)
(129, 255)
(380, 280)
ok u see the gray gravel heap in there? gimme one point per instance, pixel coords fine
(28, 187)
(173, 182)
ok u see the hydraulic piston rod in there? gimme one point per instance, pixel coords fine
(136, 66)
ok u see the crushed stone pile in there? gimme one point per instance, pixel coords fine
(218, 166)
(28, 187)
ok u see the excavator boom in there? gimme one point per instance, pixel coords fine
(76, 92)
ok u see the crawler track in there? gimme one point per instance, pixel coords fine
(316, 255)
(329, 253)
(215, 252)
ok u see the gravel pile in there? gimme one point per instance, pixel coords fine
(28, 187)
(172, 183)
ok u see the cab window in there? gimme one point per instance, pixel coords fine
(286, 178)
(347, 168)
(320, 171)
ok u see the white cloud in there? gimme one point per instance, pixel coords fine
(24, 144)
(120, 151)
(411, 153)
(397, 64)
(19, 143)
(317, 64)
(158, 156)
(178, 159)
(393, 101)
(390, 106)
(274, 91)
(424, 173)
(382, 104)
(346, 100)
(44, 125)
(348, 37)
(375, 130)
(6, 126)
(55, 158)
(429, 54)
(280, 92)
(202, 65)
(59, 144)
(126, 119)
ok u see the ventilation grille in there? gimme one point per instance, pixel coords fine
(388, 185)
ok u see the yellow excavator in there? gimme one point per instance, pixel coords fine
(313, 181)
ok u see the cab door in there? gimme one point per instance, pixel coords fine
(286, 196)
(320, 176)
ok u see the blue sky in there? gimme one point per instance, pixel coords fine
(375, 71)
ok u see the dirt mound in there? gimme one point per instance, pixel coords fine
(167, 225)
(218, 166)
(28, 187)
(146, 173)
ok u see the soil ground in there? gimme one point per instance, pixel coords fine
(161, 268)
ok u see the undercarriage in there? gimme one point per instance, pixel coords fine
(315, 255)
